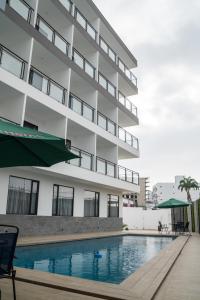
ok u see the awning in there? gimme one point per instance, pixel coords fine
(21, 146)
(172, 203)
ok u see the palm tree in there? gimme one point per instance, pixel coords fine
(186, 184)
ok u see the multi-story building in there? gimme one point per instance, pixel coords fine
(165, 190)
(65, 71)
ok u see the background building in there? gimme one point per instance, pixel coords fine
(65, 71)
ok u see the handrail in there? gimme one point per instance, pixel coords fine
(128, 175)
(107, 120)
(83, 103)
(67, 7)
(17, 57)
(107, 49)
(55, 34)
(81, 153)
(81, 19)
(11, 3)
(48, 85)
(107, 163)
(85, 64)
(106, 84)
(126, 71)
(133, 141)
(127, 103)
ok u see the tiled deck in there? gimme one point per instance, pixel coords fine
(143, 284)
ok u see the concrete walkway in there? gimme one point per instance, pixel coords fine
(183, 281)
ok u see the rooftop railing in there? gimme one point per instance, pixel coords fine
(22, 8)
(47, 85)
(105, 123)
(52, 35)
(128, 138)
(67, 5)
(85, 24)
(11, 62)
(127, 103)
(83, 63)
(81, 107)
(106, 84)
(103, 166)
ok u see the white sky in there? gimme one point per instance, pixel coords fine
(164, 36)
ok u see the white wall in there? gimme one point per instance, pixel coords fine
(137, 218)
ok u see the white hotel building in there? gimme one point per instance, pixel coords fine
(65, 71)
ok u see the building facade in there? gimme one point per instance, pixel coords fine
(65, 71)
(165, 190)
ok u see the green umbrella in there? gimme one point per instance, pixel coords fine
(172, 203)
(21, 146)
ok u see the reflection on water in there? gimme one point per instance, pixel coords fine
(121, 256)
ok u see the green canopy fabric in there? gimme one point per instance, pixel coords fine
(172, 203)
(21, 146)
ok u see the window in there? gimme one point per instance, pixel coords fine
(30, 125)
(113, 206)
(22, 196)
(63, 199)
(91, 204)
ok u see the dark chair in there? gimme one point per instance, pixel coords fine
(8, 241)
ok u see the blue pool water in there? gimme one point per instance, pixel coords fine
(121, 256)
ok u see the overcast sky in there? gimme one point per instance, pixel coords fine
(164, 36)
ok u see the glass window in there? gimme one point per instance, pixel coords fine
(102, 81)
(91, 204)
(22, 196)
(61, 44)
(20, 8)
(78, 60)
(91, 31)
(88, 113)
(56, 92)
(46, 30)
(11, 64)
(86, 160)
(103, 45)
(113, 206)
(89, 69)
(66, 4)
(81, 20)
(101, 166)
(102, 121)
(63, 198)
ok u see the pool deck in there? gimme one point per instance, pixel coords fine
(173, 274)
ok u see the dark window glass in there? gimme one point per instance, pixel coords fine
(22, 196)
(91, 204)
(113, 206)
(63, 198)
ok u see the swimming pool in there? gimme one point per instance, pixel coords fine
(120, 257)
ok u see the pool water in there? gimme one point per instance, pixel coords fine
(120, 256)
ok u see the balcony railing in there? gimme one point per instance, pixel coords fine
(106, 48)
(83, 63)
(11, 62)
(85, 24)
(127, 137)
(106, 123)
(105, 167)
(52, 35)
(127, 103)
(127, 72)
(22, 8)
(85, 161)
(81, 107)
(47, 85)
(67, 5)
(106, 84)
(128, 175)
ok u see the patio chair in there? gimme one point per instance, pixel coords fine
(8, 240)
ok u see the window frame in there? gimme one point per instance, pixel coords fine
(109, 206)
(72, 211)
(95, 208)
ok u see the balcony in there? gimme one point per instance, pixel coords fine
(85, 24)
(106, 123)
(103, 166)
(127, 72)
(128, 138)
(83, 63)
(127, 103)
(106, 48)
(22, 8)
(67, 5)
(81, 107)
(12, 63)
(106, 84)
(52, 35)
(46, 85)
